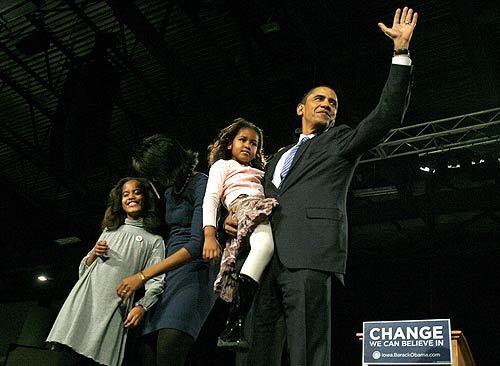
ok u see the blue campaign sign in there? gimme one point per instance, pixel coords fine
(416, 342)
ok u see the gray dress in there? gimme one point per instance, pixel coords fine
(91, 319)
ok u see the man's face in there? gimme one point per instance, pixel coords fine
(318, 110)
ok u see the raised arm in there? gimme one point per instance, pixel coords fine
(394, 98)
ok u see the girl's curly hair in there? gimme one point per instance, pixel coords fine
(218, 149)
(114, 216)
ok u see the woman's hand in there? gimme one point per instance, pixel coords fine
(134, 317)
(403, 24)
(211, 249)
(128, 286)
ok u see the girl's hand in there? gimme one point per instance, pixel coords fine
(134, 317)
(403, 24)
(100, 248)
(211, 249)
(128, 286)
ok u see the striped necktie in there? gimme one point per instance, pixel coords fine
(289, 159)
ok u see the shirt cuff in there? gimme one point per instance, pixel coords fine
(401, 60)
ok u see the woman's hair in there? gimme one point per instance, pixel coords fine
(218, 149)
(114, 216)
(162, 159)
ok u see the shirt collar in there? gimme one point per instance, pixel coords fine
(310, 136)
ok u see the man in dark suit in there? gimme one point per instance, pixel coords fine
(310, 180)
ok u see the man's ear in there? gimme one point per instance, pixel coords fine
(300, 109)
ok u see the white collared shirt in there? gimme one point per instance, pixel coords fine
(279, 166)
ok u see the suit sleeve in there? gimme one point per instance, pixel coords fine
(388, 113)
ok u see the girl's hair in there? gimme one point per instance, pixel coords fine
(114, 216)
(162, 159)
(218, 149)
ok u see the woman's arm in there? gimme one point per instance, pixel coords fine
(154, 282)
(188, 252)
(130, 284)
(172, 261)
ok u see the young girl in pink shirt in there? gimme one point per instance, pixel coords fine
(236, 158)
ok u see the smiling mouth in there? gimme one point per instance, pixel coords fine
(132, 204)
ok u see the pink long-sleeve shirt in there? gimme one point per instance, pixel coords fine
(227, 180)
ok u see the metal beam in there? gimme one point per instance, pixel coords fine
(439, 136)
(155, 92)
(128, 13)
(23, 92)
(27, 69)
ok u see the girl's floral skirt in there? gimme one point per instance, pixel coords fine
(249, 212)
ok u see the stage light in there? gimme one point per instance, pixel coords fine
(454, 166)
(427, 169)
(477, 162)
(270, 27)
(42, 278)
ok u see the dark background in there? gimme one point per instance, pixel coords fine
(81, 83)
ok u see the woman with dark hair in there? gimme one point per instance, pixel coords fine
(188, 296)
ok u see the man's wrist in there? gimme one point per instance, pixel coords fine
(401, 52)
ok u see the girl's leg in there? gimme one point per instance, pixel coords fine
(172, 347)
(261, 252)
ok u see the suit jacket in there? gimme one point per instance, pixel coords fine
(310, 223)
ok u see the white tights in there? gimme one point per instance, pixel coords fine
(261, 251)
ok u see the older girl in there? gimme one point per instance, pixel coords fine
(93, 321)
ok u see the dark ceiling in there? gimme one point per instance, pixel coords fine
(81, 82)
